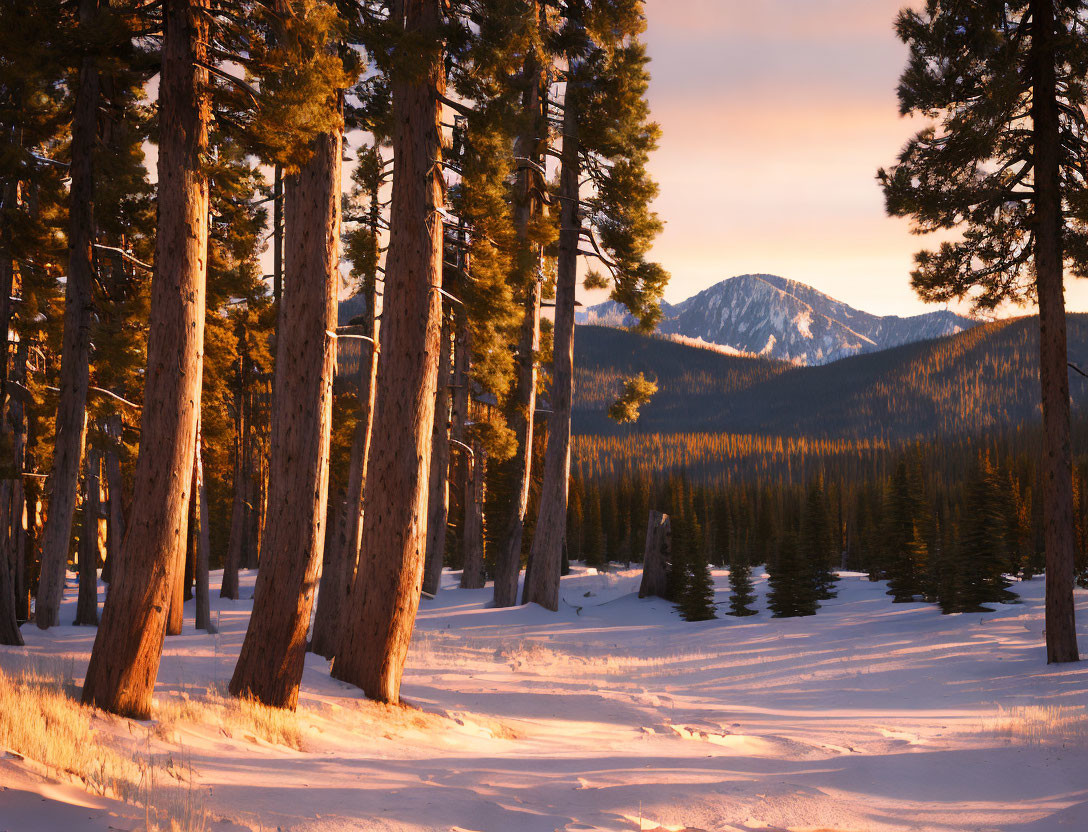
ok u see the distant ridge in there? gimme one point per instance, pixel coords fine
(983, 379)
(770, 316)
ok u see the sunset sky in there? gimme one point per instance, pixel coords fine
(775, 116)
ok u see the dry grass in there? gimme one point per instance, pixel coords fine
(42, 722)
(246, 718)
(1042, 724)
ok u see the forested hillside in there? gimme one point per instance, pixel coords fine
(977, 380)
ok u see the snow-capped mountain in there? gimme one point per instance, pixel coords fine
(768, 315)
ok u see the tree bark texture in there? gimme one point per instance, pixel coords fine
(175, 619)
(385, 596)
(344, 556)
(115, 534)
(236, 541)
(546, 555)
(655, 561)
(203, 543)
(325, 635)
(76, 344)
(90, 541)
(472, 571)
(1058, 512)
(438, 503)
(523, 406)
(128, 647)
(9, 622)
(271, 661)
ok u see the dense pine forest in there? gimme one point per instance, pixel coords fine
(308, 460)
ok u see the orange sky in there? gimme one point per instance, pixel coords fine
(775, 116)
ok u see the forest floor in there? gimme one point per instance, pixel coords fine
(614, 714)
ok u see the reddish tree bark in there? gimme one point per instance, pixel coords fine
(385, 596)
(1058, 522)
(546, 555)
(128, 647)
(271, 661)
(76, 344)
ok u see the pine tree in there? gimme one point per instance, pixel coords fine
(1002, 163)
(697, 600)
(981, 553)
(742, 594)
(127, 649)
(816, 541)
(271, 660)
(607, 134)
(905, 557)
(793, 592)
(384, 603)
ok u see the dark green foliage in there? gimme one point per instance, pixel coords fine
(697, 596)
(905, 554)
(980, 557)
(971, 168)
(793, 590)
(742, 595)
(817, 542)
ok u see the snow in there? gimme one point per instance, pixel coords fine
(803, 323)
(614, 714)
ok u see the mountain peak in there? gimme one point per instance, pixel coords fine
(772, 316)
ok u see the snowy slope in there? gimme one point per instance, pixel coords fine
(869, 717)
(779, 318)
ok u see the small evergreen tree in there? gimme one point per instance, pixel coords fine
(793, 592)
(817, 542)
(742, 595)
(697, 600)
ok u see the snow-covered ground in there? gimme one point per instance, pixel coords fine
(870, 716)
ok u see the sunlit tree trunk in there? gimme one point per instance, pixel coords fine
(87, 600)
(270, 664)
(76, 346)
(1059, 529)
(438, 503)
(523, 405)
(128, 647)
(385, 596)
(546, 555)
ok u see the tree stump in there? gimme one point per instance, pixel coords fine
(655, 562)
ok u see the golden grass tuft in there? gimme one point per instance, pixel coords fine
(42, 722)
(1042, 724)
(247, 718)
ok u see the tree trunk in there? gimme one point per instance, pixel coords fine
(472, 571)
(529, 277)
(438, 503)
(175, 619)
(76, 345)
(203, 543)
(9, 622)
(236, 541)
(271, 662)
(1058, 522)
(277, 235)
(115, 533)
(344, 556)
(89, 541)
(655, 562)
(21, 551)
(331, 589)
(546, 555)
(128, 647)
(386, 593)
